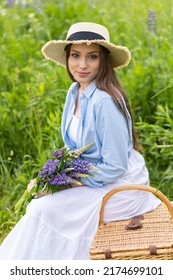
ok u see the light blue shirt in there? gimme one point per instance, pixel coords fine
(102, 124)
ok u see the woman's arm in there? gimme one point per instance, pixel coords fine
(114, 138)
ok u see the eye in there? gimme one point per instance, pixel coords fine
(93, 56)
(75, 55)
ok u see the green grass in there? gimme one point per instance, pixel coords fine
(33, 90)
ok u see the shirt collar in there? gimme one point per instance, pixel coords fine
(90, 89)
(87, 92)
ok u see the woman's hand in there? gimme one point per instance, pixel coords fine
(77, 185)
(31, 184)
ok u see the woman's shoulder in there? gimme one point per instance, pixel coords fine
(100, 95)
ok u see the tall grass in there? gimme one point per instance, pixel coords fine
(157, 140)
(33, 90)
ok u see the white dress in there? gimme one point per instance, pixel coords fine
(62, 226)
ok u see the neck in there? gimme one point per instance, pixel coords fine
(82, 87)
(81, 90)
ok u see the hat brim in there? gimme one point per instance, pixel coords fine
(54, 50)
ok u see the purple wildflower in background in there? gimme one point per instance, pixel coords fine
(10, 2)
(152, 21)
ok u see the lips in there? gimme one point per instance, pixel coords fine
(83, 74)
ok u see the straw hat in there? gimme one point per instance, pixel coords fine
(86, 32)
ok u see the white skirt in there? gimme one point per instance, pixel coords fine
(62, 226)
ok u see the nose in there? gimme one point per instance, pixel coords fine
(83, 63)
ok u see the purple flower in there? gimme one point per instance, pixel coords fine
(62, 170)
(10, 2)
(58, 153)
(49, 167)
(59, 179)
(81, 166)
(152, 21)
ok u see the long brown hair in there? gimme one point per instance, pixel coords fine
(107, 81)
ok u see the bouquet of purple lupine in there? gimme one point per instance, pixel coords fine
(64, 168)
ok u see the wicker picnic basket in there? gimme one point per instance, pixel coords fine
(148, 236)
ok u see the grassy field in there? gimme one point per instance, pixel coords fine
(33, 90)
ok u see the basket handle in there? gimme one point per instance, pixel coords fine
(156, 192)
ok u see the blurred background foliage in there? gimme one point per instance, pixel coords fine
(33, 90)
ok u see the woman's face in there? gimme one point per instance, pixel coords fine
(84, 63)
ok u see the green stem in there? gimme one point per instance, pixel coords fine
(20, 202)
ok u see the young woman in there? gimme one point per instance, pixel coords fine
(63, 225)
